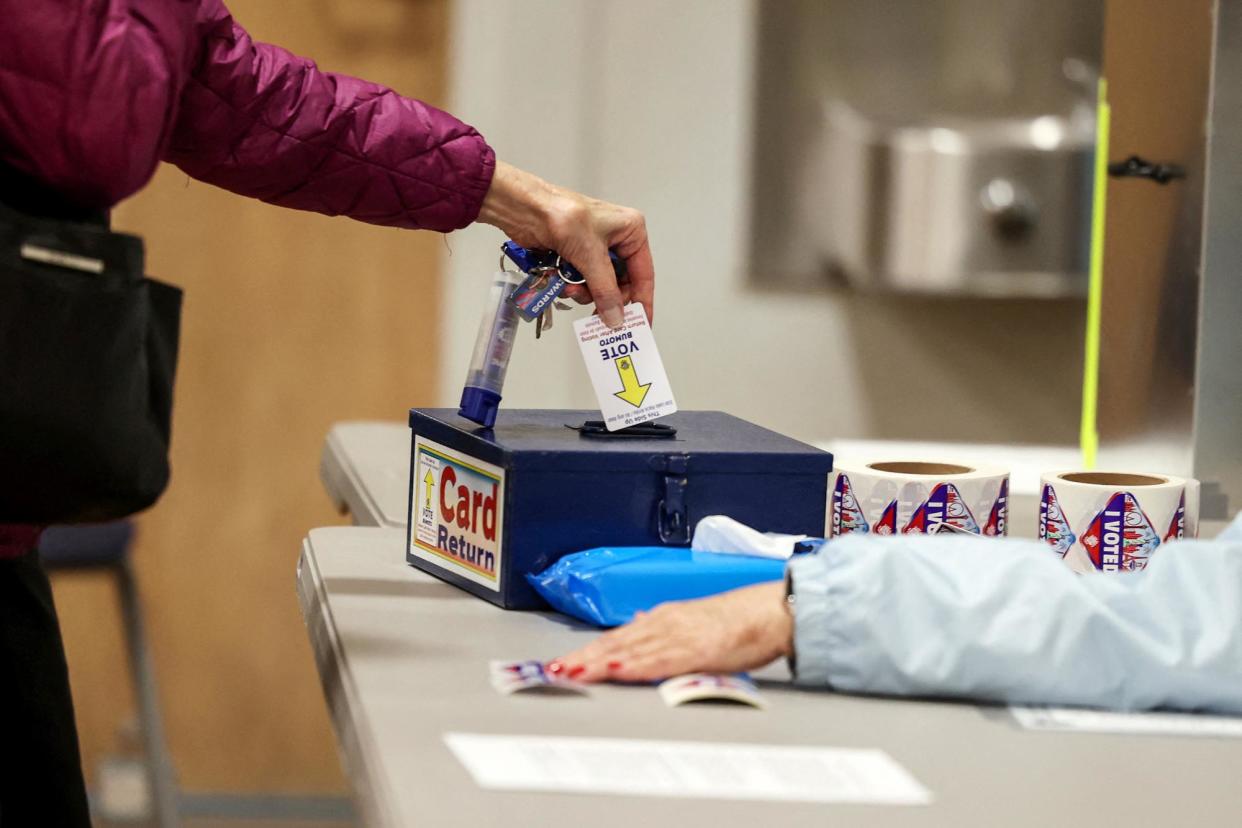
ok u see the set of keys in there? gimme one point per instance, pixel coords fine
(547, 276)
(534, 297)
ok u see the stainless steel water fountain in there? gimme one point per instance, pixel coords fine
(926, 146)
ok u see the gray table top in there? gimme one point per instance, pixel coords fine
(365, 468)
(404, 657)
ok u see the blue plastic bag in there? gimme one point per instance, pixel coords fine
(607, 585)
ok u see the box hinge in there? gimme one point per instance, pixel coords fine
(672, 517)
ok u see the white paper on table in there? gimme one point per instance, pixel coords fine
(1069, 719)
(712, 770)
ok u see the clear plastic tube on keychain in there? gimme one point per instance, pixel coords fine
(485, 378)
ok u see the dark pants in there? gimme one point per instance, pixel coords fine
(40, 768)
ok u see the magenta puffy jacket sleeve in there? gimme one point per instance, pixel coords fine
(262, 122)
(88, 91)
(94, 93)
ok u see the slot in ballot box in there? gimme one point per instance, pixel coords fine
(488, 506)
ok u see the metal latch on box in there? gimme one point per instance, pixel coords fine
(672, 519)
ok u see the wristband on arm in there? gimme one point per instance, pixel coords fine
(790, 601)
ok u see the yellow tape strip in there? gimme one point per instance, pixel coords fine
(1089, 436)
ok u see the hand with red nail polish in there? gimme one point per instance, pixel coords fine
(736, 631)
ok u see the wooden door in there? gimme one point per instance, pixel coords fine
(292, 321)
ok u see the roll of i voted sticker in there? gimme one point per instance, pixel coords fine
(887, 498)
(1114, 522)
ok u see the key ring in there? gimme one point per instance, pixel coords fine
(564, 276)
(540, 271)
(544, 271)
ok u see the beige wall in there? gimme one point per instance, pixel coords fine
(292, 321)
(649, 103)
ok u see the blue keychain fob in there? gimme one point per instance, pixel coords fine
(537, 291)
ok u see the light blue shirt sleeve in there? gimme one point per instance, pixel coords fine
(1006, 620)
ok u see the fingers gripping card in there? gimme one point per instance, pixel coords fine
(625, 369)
(509, 677)
(711, 687)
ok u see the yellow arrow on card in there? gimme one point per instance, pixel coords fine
(632, 392)
(429, 481)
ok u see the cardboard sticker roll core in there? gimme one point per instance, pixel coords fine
(1114, 521)
(909, 497)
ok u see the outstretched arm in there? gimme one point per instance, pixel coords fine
(262, 122)
(93, 93)
(998, 620)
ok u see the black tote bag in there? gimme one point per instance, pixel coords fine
(88, 352)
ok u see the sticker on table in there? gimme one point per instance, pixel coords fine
(1079, 720)
(509, 677)
(711, 687)
(625, 369)
(704, 770)
(458, 512)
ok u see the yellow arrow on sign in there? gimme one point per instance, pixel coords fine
(429, 481)
(632, 392)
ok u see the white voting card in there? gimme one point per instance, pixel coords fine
(625, 369)
(1109, 721)
(706, 770)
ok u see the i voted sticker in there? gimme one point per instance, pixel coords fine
(711, 687)
(509, 677)
(625, 369)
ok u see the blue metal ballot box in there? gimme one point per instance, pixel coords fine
(488, 506)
